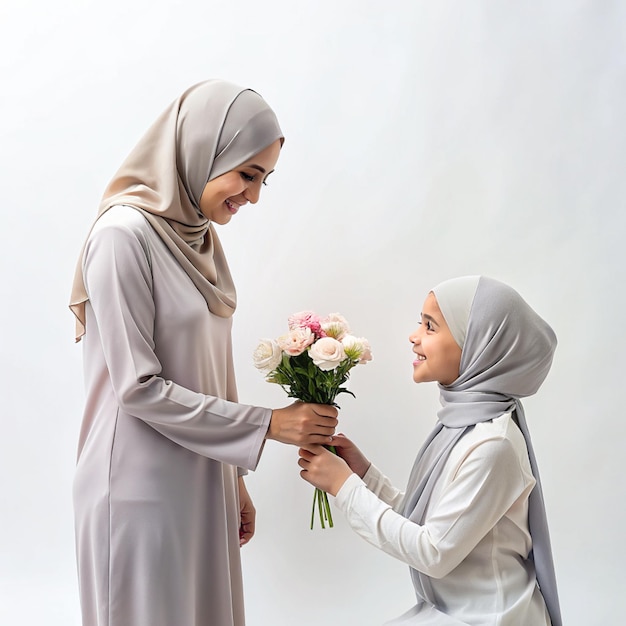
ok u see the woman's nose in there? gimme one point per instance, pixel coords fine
(252, 193)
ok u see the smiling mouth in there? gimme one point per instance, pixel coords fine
(418, 359)
(232, 207)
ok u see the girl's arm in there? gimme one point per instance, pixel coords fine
(488, 482)
(371, 475)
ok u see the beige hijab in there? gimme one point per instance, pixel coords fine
(211, 129)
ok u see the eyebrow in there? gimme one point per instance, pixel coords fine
(257, 167)
(429, 318)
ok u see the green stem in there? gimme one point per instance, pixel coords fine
(318, 495)
(328, 513)
(320, 498)
(313, 512)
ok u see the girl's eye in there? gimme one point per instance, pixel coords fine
(247, 177)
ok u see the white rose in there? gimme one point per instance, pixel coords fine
(327, 353)
(267, 355)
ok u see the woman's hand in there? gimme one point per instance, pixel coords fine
(247, 514)
(323, 469)
(348, 451)
(303, 424)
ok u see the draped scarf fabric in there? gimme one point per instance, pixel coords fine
(210, 129)
(507, 351)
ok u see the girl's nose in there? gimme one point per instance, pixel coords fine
(414, 336)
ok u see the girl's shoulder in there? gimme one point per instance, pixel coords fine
(503, 427)
(496, 443)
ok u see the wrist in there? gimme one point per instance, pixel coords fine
(269, 434)
(340, 481)
(365, 467)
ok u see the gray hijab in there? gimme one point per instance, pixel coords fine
(507, 351)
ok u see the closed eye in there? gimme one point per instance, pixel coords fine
(250, 178)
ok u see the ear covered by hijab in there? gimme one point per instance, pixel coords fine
(209, 130)
(507, 351)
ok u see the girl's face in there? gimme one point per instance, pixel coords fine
(223, 196)
(438, 356)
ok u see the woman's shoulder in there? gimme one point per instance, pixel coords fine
(121, 230)
(122, 217)
(123, 223)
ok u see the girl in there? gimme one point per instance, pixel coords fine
(160, 503)
(472, 524)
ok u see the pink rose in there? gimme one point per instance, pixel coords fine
(327, 353)
(306, 319)
(296, 341)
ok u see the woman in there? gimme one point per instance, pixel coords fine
(472, 524)
(160, 503)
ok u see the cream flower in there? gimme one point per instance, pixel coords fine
(267, 355)
(336, 326)
(296, 341)
(357, 348)
(327, 353)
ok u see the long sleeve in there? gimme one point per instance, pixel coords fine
(381, 486)
(486, 484)
(118, 275)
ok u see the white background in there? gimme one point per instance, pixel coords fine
(424, 140)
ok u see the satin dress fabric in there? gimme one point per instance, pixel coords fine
(162, 440)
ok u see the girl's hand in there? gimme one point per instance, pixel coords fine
(247, 514)
(323, 469)
(355, 459)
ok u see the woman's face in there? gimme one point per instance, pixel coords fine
(438, 356)
(223, 196)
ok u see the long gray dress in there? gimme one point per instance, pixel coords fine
(155, 493)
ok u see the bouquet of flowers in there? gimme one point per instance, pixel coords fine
(312, 362)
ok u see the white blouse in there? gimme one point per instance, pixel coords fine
(475, 540)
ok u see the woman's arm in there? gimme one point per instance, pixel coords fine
(247, 514)
(119, 283)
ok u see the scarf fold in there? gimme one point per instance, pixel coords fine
(209, 130)
(507, 350)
